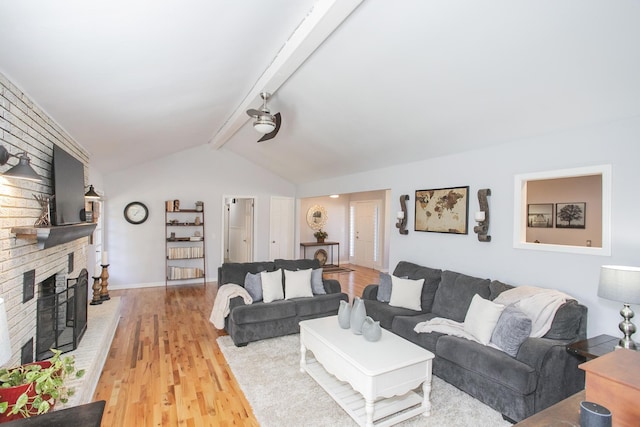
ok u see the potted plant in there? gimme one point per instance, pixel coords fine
(320, 235)
(34, 388)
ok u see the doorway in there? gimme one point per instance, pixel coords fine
(238, 229)
(365, 234)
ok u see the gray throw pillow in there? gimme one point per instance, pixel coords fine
(253, 285)
(317, 286)
(512, 329)
(384, 288)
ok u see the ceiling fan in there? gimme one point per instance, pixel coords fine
(265, 122)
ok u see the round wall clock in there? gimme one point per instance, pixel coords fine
(136, 212)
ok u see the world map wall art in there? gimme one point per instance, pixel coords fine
(443, 210)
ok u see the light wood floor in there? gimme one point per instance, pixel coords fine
(164, 367)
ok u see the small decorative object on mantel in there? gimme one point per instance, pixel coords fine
(44, 220)
(344, 315)
(320, 236)
(482, 216)
(402, 215)
(371, 330)
(358, 313)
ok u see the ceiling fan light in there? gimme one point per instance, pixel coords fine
(264, 126)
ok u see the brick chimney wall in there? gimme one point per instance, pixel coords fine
(25, 127)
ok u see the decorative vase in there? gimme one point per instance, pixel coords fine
(344, 315)
(371, 329)
(358, 313)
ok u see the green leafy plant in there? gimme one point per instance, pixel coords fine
(46, 385)
(320, 234)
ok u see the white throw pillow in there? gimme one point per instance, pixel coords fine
(297, 284)
(271, 285)
(406, 293)
(481, 318)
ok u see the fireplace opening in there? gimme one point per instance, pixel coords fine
(61, 313)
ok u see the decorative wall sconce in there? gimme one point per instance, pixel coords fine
(482, 216)
(22, 170)
(402, 215)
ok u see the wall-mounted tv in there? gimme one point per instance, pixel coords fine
(68, 187)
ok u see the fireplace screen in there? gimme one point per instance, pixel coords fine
(62, 314)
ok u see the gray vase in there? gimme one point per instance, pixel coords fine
(371, 330)
(358, 313)
(344, 315)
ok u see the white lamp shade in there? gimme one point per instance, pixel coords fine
(620, 283)
(5, 342)
(264, 126)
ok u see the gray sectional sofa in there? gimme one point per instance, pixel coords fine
(252, 322)
(539, 375)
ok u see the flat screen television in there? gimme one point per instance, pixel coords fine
(68, 187)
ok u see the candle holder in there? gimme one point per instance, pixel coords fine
(402, 222)
(482, 217)
(104, 292)
(96, 291)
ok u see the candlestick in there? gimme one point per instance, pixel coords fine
(105, 258)
(96, 288)
(104, 292)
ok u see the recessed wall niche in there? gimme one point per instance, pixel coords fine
(590, 185)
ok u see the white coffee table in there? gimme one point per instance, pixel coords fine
(372, 381)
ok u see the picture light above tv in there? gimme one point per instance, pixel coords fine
(68, 186)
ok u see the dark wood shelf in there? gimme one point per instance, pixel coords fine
(185, 224)
(183, 239)
(182, 259)
(48, 237)
(185, 211)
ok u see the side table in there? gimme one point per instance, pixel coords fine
(594, 347)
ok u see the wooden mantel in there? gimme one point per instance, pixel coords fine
(52, 236)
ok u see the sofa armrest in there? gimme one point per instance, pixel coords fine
(370, 292)
(235, 302)
(558, 374)
(332, 286)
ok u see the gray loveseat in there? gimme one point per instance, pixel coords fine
(541, 373)
(252, 322)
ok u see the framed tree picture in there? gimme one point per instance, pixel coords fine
(442, 210)
(540, 215)
(571, 215)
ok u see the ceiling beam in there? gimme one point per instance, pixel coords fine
(325, 17)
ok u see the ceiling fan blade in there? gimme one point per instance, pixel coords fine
(254, 113)
(274, 132)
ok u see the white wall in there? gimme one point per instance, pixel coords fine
(137, 252)
(615, 143)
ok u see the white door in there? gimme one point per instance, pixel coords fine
(281, 231)
(365, 225)
(238, 239)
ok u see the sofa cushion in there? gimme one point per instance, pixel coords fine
(481, 318)
(488, 362)
(234, 272)
(406, 293)
(431, 278)
(317, 285)
(319, 304)
(496, 287)
(455, 292)
(272, 285)
(296, 264)
(297, 284)
(384, 287)
(384, 312)
(263, 312)
(253, 285)
(404, 327)
(566, 323)
(512, 329)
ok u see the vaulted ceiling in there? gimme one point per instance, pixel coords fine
(360, 84)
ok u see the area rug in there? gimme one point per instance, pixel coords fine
(334, 269)
(280, 395)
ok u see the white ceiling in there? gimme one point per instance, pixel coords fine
(397, 81)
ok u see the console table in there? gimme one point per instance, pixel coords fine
(331, 245)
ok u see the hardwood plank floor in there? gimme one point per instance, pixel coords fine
(164, 367)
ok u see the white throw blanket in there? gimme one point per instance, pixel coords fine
(539, 304)
(223, 299)
(444, 326)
